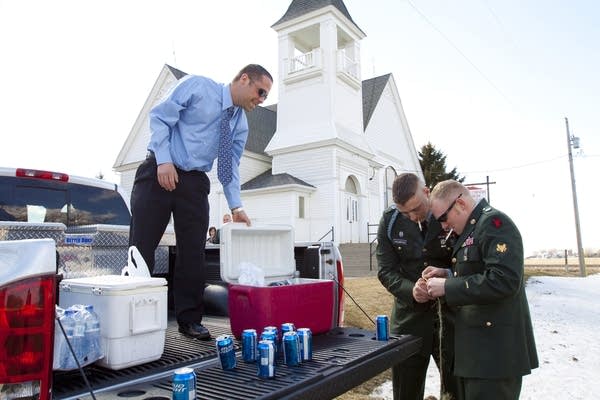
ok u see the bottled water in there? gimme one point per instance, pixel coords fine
(67, 361)
(93, 339)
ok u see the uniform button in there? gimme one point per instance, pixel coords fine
(488, 323)
(424, 250)
(425, 263)
(455, 273)
(473, 221)
(453, 260)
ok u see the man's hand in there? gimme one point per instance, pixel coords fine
(419, 291)
(431, 272)
(435, 287)
(241, 217)
(167, 176)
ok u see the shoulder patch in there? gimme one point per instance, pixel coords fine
(497, 222)
(501, 248)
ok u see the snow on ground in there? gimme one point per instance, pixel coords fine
(565, 313)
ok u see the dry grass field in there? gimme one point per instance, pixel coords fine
(374, 299)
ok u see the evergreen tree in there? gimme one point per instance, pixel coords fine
(433, 164)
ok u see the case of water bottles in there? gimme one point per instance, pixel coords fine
(308, 303)
(81, 327)
(132, 312)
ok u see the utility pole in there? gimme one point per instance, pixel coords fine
(573, 141)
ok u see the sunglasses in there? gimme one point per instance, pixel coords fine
(262, 93)
(444, 216)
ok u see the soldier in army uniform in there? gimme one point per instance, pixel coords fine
(494, 343)
(408, 240)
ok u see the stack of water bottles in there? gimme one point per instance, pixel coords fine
(82, 330)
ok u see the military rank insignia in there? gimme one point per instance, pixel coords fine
(501, 248)
(497, 222)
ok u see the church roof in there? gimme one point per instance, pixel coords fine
(302, 7)
(371, 93)
(267, 179)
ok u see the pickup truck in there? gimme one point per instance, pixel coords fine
(343, 358)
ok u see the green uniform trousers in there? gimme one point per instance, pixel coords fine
(489, 389)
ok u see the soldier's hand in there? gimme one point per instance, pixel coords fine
(431, 272)
(435, 287)
(419, 291)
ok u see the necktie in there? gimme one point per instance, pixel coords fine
(225, 150)
(424, 228)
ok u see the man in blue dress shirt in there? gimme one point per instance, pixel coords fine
(186, 130)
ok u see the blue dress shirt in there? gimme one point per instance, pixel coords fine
(184, 129)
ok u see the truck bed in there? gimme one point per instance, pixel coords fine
(342, 359)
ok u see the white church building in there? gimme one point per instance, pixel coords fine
(324, 165)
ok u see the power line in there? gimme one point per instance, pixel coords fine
(462, 54)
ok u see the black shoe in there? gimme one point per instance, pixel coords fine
(195, 330)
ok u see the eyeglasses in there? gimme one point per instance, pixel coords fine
(262, 93)
(444, 216)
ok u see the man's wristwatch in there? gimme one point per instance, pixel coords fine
(237, 210)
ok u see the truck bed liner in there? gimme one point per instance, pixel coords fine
(342, 359)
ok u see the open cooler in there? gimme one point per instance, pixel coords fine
(132, 312)
(308, 303)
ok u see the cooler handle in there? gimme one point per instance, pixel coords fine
(141, 323)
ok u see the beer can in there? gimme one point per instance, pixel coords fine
(249, 343)
(383, 328)
(305, 339)
(291, 349)
(266, 359)
(226, 351)
(270, 333)
(184, 384)
(287, 327)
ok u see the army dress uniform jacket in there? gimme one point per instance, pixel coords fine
(402, 255)
(493, 332)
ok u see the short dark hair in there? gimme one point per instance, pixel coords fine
(254, 72)
(405, 186)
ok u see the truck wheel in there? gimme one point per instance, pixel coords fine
(215, 300)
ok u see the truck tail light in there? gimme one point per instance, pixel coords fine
(27, 309)
(340, 276)
(35, 173)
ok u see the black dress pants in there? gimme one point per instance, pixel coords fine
(151, 208)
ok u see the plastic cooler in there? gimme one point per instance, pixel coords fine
(308, 303)
(132, 312)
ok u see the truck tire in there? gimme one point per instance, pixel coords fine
(215, 300)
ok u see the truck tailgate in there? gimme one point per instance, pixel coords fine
(342, 359)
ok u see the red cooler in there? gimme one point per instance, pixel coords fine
(308, 303)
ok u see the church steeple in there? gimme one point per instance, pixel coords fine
(320, 97)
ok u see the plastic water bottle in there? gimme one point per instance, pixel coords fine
(69, 324)
(93, 339)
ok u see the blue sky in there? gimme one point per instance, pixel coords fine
(489, 83)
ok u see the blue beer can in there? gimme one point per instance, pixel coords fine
(266, 359)
(184, 384)
(270, 334)
(226, 351)
(305, 339)
(249, 343)
(287, 327)
(291, 349)
(383, 328)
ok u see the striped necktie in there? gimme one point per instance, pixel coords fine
(225, 147)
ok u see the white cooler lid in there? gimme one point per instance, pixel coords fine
(113, 282)
(269, 247)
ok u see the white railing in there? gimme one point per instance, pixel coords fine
(303, 61)
(348, 65)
